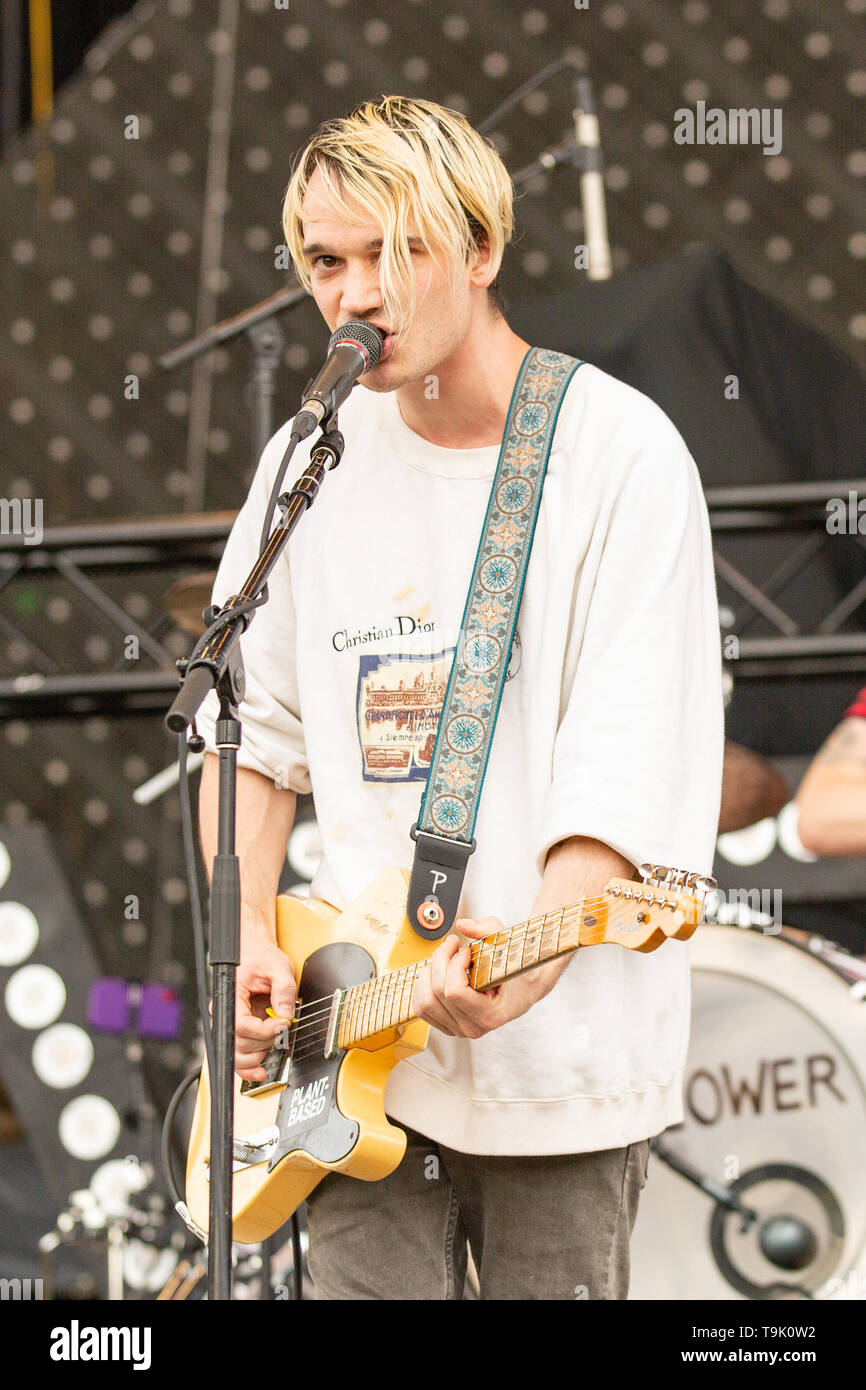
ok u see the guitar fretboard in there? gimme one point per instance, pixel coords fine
(386, 1001)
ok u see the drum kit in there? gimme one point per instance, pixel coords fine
(760, 1192)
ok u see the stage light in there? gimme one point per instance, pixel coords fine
(35, 996)
(5, 864)
(19, 932)
(62, 1056)
(89, 1127)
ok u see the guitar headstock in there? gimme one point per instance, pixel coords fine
(666, 903)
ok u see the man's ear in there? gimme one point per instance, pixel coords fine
(483, 271)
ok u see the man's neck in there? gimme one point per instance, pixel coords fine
(473, 390)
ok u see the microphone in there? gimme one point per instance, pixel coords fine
(591, 181)
(352, 350)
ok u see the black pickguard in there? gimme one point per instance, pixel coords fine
(321, 1130)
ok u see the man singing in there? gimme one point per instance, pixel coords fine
(536, 1100)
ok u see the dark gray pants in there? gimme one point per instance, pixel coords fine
(539, 1227)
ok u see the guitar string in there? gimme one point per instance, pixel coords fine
(585, 903)
(320, 1016)
(512, 933)
(312, 1044)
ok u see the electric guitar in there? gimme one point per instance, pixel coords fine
(321, 1109)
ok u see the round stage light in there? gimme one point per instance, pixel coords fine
(5, 864)
(62, 1056)
(89, 1127)
(35, 996)
(19, 932)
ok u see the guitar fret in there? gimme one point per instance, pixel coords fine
(379, 1011)
(533, 940)
(475, 954)
(523, 944)
(393, 1012)
(388, 1011)
(359, 1014)
(413, 980)
(499, 957)
(572, 928)
(407, 983)
(483, 966)
(365, 1011)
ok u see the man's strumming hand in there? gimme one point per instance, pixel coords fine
(264, 977)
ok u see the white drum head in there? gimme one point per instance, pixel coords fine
(775, 1106)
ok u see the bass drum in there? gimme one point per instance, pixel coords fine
(775, 1108)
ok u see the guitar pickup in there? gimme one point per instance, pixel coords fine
(277, 1063)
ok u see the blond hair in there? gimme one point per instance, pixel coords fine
(399, 158)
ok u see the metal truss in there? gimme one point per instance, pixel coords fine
(175, 544)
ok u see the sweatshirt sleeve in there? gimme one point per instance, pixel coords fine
(272, 739)
(637, 759)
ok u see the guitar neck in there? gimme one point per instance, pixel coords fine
(386, 1001)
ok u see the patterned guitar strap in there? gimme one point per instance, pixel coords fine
(443, 832)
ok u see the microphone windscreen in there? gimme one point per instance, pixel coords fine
(367, 337)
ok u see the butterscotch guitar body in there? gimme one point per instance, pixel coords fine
(329, 1116)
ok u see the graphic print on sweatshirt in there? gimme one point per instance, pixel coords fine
(400, 698)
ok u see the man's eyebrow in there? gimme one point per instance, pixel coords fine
(316, 247)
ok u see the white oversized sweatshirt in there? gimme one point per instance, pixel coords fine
(610, 726)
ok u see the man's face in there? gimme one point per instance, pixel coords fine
(342, 251)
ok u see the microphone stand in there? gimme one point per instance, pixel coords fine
(266, 337)
(216, 663)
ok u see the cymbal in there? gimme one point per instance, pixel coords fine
(186, 600)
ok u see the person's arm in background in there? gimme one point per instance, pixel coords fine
(265, 815)
(832, 796)
(752, 789)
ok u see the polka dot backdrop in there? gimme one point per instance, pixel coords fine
(103, 273)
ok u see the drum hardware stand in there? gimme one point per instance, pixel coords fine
(718, 1191)
(785, 1241)
(216, 662)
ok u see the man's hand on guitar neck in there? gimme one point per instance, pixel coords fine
(445, 999)
(574, 868)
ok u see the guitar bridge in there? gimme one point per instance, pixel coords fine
(277, 1063)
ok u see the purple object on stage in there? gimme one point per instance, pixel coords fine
(123, 1006)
